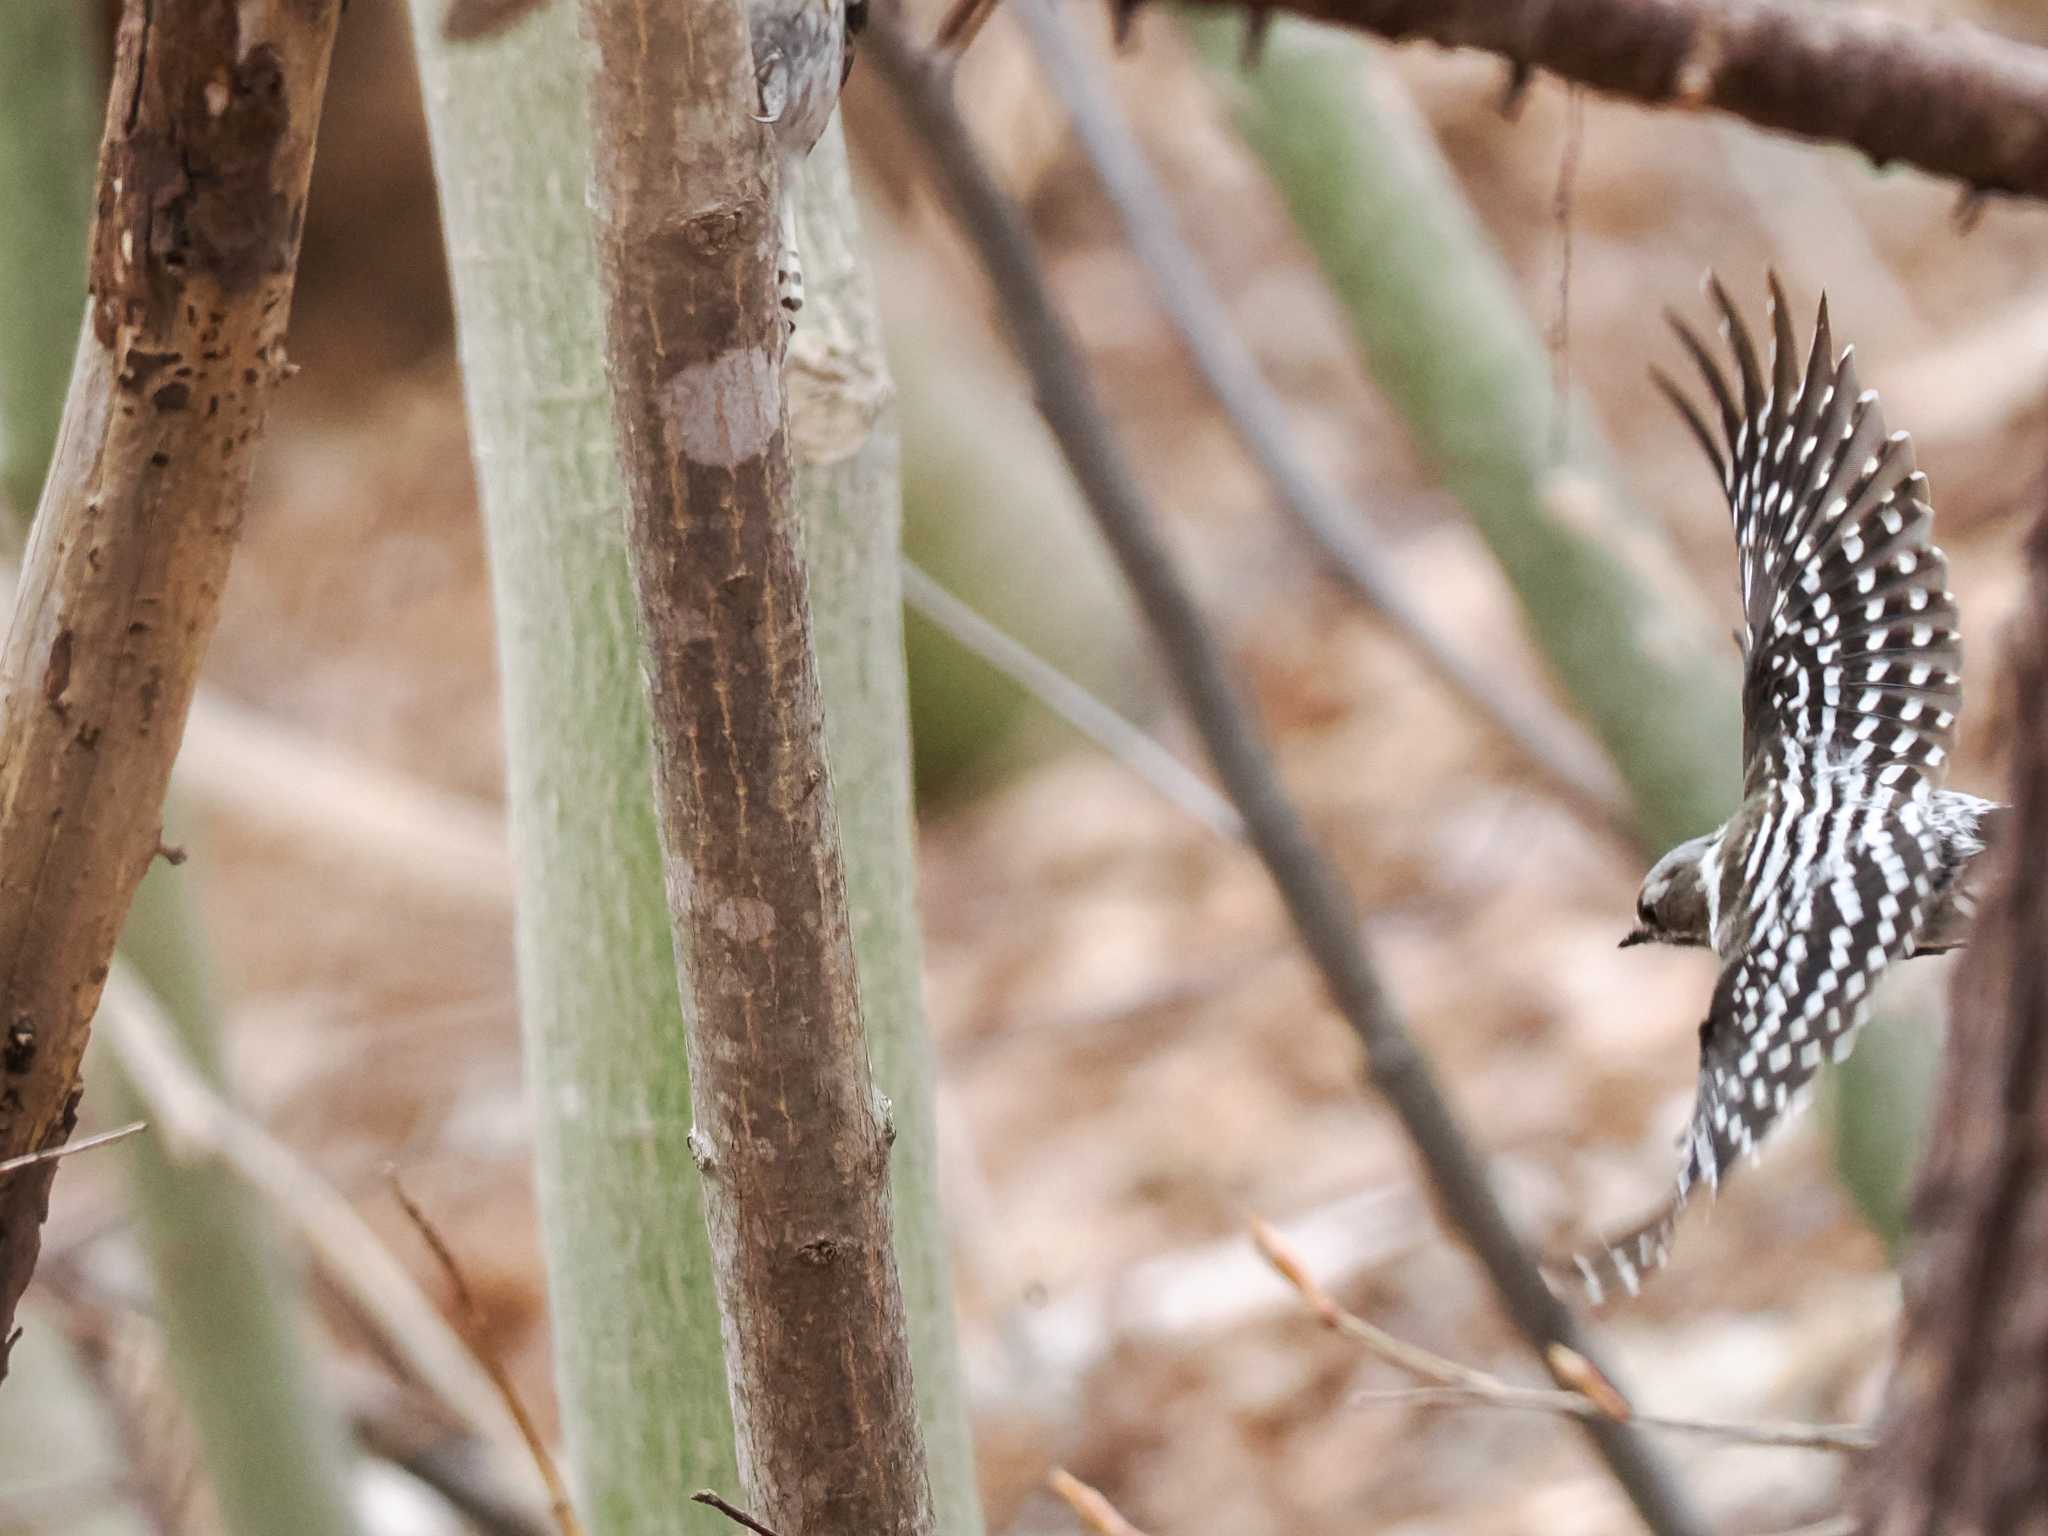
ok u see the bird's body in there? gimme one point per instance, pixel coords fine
(803, 52)
(1848, 852)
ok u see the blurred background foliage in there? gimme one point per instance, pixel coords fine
(1132, 1057)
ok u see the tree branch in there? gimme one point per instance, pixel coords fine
(1315, 897)
(1554, 746)
(1954, 100)
(203, 171)
(789, 1135)
(1585, 1395)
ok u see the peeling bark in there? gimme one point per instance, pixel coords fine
(202, 186)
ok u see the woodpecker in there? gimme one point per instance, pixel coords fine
(1847, 852)
(803, 53)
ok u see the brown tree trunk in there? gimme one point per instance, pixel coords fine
(788, 1131)
(1964, 1436)
(202, 189)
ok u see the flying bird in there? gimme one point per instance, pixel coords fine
(1848, 852)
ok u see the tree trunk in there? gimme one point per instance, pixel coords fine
(789, 1132)
(1966, 1420)
(639, 1367)
(843, 436)
(202, 188)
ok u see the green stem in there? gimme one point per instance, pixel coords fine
(639, 1366)
(227, 1301)
(845, 440)
(49, 133)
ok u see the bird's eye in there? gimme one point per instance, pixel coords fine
(1644, 915)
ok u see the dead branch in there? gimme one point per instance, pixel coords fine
(732, 1512)
(1090, 1505)
(83, 1144)
(1315, 896)
(1586, 1393)
(1952, 99)
(474, 1334)
(1554, 746)
(1066, 698)
(790, 1136)
(202, 187)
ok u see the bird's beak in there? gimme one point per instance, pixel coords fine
(1638, 936)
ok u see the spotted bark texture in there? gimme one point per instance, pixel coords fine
(202, 188)
(1952, 99)
(1966, 1416)
(789, 1133)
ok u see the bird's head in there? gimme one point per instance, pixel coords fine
(1671, 907)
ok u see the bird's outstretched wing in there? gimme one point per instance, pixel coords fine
(1850, 644)
(1794, 997)
(1850, 693)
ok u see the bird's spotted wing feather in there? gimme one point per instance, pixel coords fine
(1850, 641)
(1841, 876)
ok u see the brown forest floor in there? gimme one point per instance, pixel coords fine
(1135, 1058)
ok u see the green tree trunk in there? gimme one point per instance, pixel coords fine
(639, 1367)
(849, 488)
(50, 107)
(641, 1371)
(228, 1302)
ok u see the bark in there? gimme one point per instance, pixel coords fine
(789, 1132)
(638, 1364)
(1967, 1413)
(1951, 99)
(202, 183)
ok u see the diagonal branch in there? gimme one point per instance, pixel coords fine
(209, 142)
(1316, 898)
(1554, 746)
(1952, 99)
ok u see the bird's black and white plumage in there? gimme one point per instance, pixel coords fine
(1847, 852)
(803, 54)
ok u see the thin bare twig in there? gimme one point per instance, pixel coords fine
(1090, 1505)
(473, 1330)
(1554, 746)
(1316, 898)
(1066, 698)
(1588, 1393)
(1953, 99)
(83, 1144)
(731, 1512)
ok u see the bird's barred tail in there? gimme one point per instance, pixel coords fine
(1619, 1266)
